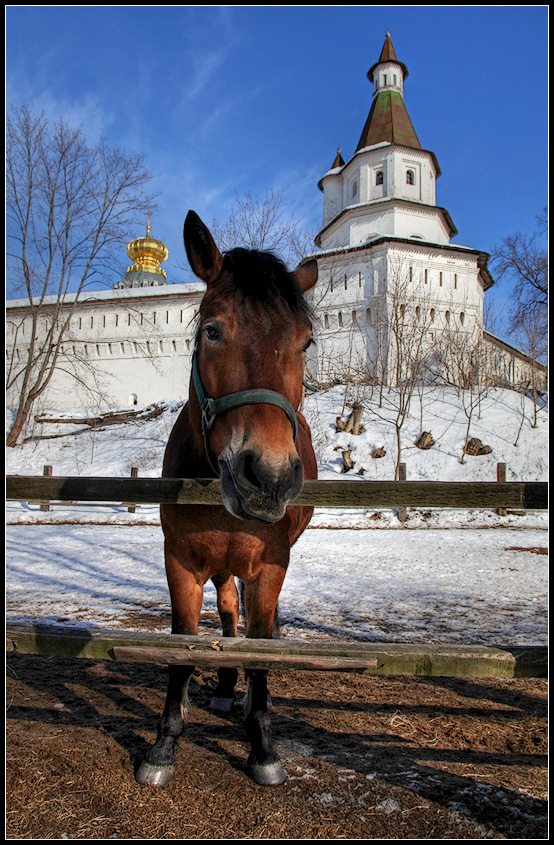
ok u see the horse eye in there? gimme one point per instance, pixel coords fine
(308, 344)
(212, 333)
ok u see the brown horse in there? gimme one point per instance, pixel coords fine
(241, 422)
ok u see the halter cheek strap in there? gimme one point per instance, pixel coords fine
(211, 408)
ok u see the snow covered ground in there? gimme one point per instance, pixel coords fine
(371, 577)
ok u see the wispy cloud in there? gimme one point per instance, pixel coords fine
(209, 41)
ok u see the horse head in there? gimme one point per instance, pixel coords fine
(248, 368)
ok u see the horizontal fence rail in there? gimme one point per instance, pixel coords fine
(368, 658)
(524, 495)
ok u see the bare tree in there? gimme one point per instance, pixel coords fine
(408, 348)
(264, 224)
(524, 259)
(70, 207)
(466, 366)
(532, 332)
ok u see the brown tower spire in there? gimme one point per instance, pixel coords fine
(388, 119)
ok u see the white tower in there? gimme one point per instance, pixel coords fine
(381, 225)
(388, 186)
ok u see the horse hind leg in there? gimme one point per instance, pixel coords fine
(228, 608)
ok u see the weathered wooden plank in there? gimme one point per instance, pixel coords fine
(343, 494)
(242, 660)
(372, 658)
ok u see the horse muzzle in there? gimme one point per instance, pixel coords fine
(257, 486)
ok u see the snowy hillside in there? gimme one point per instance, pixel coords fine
(105, 565)
(504, 418)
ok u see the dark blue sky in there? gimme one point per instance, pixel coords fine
(254, 98)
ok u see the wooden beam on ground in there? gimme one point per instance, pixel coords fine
(371, 658)
(531, 495)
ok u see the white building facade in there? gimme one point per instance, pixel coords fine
(391, 284)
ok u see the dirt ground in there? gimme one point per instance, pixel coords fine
(367, 757)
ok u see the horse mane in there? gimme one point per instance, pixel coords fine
(262, 278)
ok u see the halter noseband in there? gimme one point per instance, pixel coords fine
(211, 408)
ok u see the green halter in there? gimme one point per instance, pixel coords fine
(211, 408)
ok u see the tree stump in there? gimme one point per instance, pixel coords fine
(425, 440)
(347, 462)
(353, 424)
(476, 447)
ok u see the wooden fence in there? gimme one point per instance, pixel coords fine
(521, 495)
(241, 652)
(373, 658)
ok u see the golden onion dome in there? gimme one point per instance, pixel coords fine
(147, 254)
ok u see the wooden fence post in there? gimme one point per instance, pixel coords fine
(134, 474)
(47, 470)
(402, 512)
(501, 476)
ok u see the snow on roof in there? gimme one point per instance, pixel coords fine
(118, 295)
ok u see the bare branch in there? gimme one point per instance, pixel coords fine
(70, 209)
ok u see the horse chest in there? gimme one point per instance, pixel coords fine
(242, 553)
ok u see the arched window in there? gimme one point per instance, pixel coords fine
(410, 177)
(354, 317)
(368, 316)
(462, 318)
(432, 315)
(418, 312)
(326, 320)
(447, 316)
(340, 318)
(379, 177)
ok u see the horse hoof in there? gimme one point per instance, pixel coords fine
(222, 705)
(272, 774)
(152, 775)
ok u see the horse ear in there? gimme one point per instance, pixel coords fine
(204, 257)
(306, 275)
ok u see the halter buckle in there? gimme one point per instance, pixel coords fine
(208, 414)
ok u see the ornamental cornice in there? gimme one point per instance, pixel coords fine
(385, 204)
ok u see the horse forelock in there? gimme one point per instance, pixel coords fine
(261, 278)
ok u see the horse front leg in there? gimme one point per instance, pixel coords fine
(158, 766)
(261, 602)
(228, 608)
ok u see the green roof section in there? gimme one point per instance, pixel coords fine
(389, 121)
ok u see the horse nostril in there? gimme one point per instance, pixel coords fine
(298, 472)
(248, 471)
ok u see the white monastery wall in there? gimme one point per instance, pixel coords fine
(123, 347)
